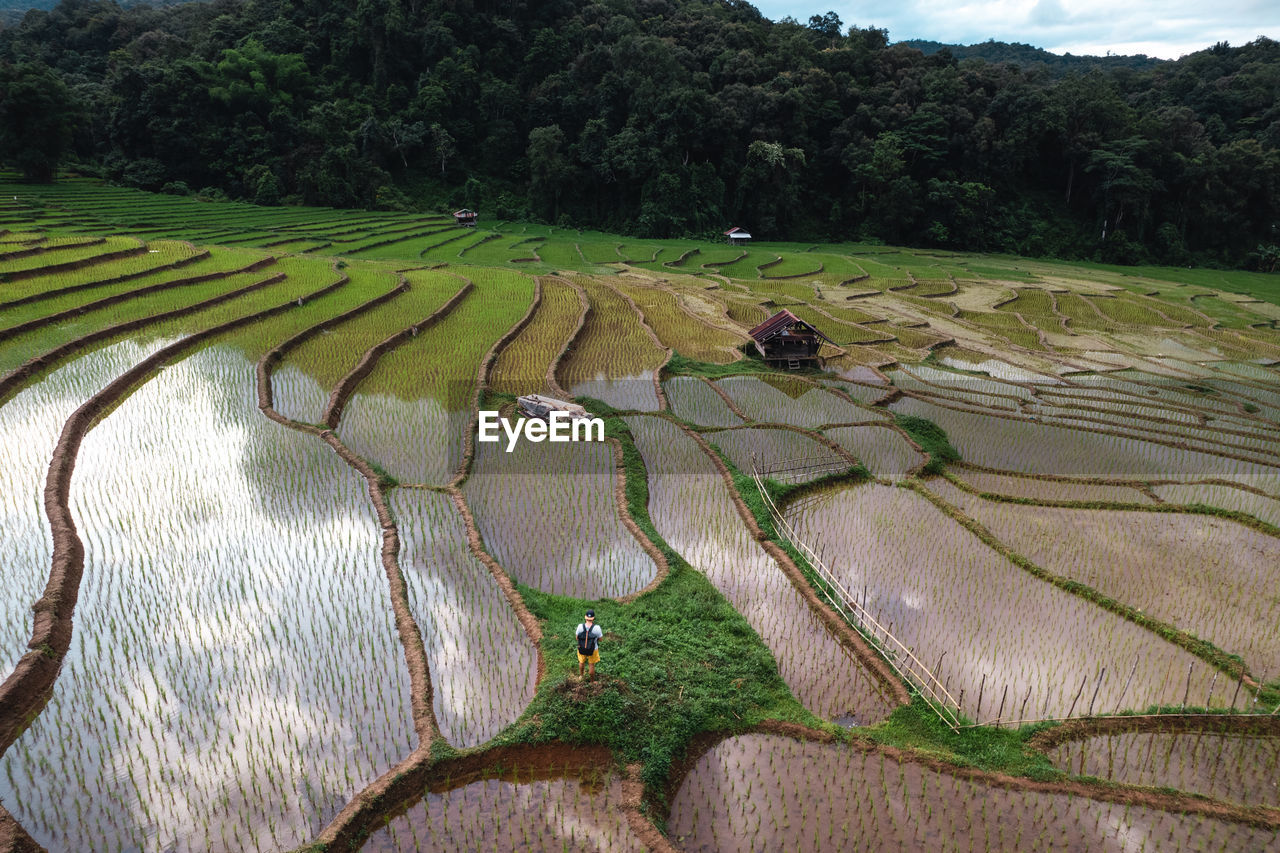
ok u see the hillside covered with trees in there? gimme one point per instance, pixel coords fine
(652, 117)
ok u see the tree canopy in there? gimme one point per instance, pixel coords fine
(655, 117)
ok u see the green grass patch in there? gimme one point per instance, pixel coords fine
(917, 727)
(677, 662)
(932, 439)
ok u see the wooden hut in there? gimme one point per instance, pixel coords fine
(785, 339)
(465, 218)
(737, 236)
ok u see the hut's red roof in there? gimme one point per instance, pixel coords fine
(778, 322)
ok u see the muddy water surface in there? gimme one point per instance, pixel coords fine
(552, 815)
(1238, 768)
(982, 623)
(547, 512)
(765, 792)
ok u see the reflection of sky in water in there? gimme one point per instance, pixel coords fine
(943, 592)
(214, 696)
(415, 441)
(30, 424)
(634, 393)
(555, 814)
(547, 512)
(690, 506)
(482, 662)
(743, 795)
(297, 395)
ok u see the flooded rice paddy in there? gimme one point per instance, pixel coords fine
(482, 662)
(30, 423)
(691, 508)
(765, 792)
(1238, 768)
(547, 512)
(213, 696)
(565, 814)
(1213, 577)
(987, 628)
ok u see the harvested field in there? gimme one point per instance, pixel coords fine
(547, 512)
(1210, 576)
(949, 597)
(694, 400)
(572, 815)
(212, 691)
(783, 454)
(885, 451)
(1238, 768)
(690, 506)
(767, 792)
(482, 663)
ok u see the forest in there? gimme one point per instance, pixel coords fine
(656, 118)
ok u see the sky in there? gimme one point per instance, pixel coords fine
(1164, 28)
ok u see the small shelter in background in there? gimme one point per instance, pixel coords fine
(785, 339)
(465, 218)
(737, 236)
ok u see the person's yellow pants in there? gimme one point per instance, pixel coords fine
(594, 657)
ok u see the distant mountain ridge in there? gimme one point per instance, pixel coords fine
(1026, 56)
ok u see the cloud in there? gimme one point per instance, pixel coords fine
(1164, 28)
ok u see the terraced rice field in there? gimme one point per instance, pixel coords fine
(311, 608)
(946, 594)
(1212, 577)
(547, 512)
(690, 506)
(763, 792)
(1238, 768)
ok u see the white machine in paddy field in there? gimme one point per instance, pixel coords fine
(537, 406)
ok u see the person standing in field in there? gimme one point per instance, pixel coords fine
(589, 636)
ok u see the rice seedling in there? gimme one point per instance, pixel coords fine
(765, 792)
(949, 599)
(680, 331)
(30, 423)
(691, 508)
(785, 400)
(1235, 767)
(482, 663)
(213, 695)
(696, 401)
(1019, 446)
(787, 456)
(547, 512)
(1204, 574)
(523, 364)
(308, 374)
(1037, 489)
(613, 358)
(410, 414)
(884, 451)
(495, 814)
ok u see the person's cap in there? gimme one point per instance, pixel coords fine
(591, 614)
